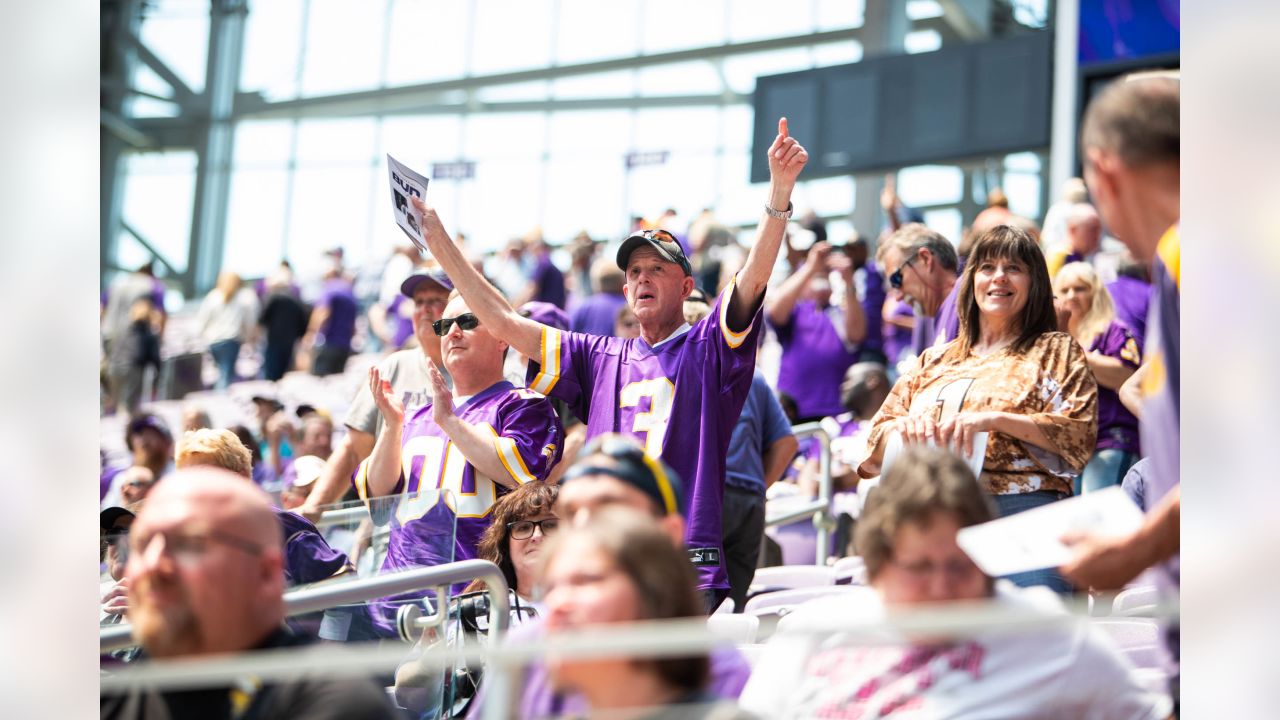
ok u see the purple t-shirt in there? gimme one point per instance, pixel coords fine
(680, 399)
(528, 438)
(1117, 427)
(337, 331)
(940, 329)
(896, 339)
(814, 359)
(728, 674)
(595, 315)
(550, 282)
(308, 557)
(403, 325)
(872, 306)
(1132, 299)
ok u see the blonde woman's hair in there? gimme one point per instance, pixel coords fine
(219, 448)
(1102, 309)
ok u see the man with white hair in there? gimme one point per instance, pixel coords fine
(205, 579)
(1084, 237)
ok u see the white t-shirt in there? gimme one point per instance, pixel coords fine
(1060, 672)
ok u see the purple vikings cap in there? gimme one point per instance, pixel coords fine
(545, 313)
(147, 420)
(411, 283)
(660, 240)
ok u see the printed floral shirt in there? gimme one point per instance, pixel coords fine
(1051, 383)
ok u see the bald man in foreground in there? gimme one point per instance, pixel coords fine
(204, 571)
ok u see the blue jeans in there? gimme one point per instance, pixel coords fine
(1011, 504)
(1106, 468)
(224, 354)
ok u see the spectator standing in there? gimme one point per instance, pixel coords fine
(595, 315)
(226, 320)
(284, 319)
(1054, 234)
(150, 443)
(132, 353)
(819, 340)
(1084, 237)
(871, 295)
(921, 266)
(650, 387)
(1113, 357)
(406, 370)
(1131, 145)
(1011, 374)
(125, 290)
(1131, 293)
(332, 325)
(546, 282)
(205, 579)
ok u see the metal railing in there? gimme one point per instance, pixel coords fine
(345, 592)
(820, 509)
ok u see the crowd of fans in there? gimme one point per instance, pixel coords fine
(610, 432)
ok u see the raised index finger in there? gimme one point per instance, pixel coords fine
(782, 128)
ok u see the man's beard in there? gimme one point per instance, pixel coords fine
(165, 631)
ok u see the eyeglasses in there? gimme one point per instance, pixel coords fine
(191, 548)
(523, 529)
(955, 570)
(466, 321)
(119, 539)
(895, 280)
(431, 301)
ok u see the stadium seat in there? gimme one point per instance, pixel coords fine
(1135, 601)
(738, 628)
(1138, 639)
(785, 577)
(784, 601)
(851, 570)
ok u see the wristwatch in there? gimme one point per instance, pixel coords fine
(780, 214)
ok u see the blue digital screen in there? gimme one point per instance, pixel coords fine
(1117, 30)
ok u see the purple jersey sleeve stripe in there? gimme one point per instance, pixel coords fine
(731, 338)
(549, 363)
(509, 454)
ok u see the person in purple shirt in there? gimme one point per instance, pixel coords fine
(1113, 356)
(899, 323)
(333, 325)
(596, 313)
(921, 266)
(546, 282)
(819, 340)
(872, 296)
(1131, 293)
(677, 388)
(1130, 142)
(473, 444)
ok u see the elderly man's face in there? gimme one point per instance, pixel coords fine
(194, 571)
(429, 300)
(655, 288)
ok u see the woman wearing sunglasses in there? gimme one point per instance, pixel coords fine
(1011, 374)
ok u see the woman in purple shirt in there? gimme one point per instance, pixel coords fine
(1113, 355)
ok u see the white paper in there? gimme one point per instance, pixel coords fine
(1031, 540)
(406, 184)
(893, 446)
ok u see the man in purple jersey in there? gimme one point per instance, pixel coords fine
(473, 445)
(595, 314)
(333, 324)
(921, 267)
(1131, 144)
(1131, 294)
(676, 388)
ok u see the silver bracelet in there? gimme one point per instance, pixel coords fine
(780, 214)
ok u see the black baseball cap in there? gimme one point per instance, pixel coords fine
(651, 477)
(664, 242)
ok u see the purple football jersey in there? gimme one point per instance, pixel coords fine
(340, 327)
(308, 558)
(814, 359)
(1117, 427)
(680, 399)
(896, 339)
(528, 438)
(595, 315)
(872, 301)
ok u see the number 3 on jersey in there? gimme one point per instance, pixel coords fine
(653, 422)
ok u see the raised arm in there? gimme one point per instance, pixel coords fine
(778, 309)
(485, 300)
(384, 468)
(475, 443)
(786, 159)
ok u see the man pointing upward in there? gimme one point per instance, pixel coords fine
(678, 389)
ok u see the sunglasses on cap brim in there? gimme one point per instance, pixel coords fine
(466, 321)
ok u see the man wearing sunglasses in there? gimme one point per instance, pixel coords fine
(475, 444)
(921, 266)
(406, 370)
(678, 389)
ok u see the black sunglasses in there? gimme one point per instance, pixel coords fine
(466, 321)
(895, 280)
